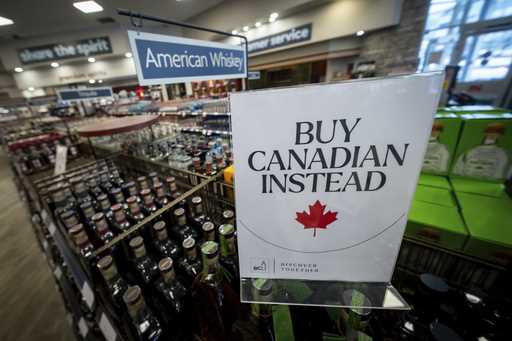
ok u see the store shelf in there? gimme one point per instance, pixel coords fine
(117, 125)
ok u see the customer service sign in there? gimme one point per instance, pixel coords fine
(325, 175)
(162, 59)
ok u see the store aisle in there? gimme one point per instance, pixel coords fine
(30, 306)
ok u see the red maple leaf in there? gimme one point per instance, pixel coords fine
(316, 219)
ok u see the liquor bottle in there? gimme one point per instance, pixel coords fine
(262, 292)
(208, 231)
(104, 206)
(131, 190)
(432, 292)
(143, 182)
(228, 217)
(105, 183)
(228, 253)
(135, 212)
(163, 245)
(437, 154)
(171, 186)
(82, 243)
(153, 176)
(60, 204)
(116, 285)
(145, 265)
(161, 198)
(81, 192)
(88, 212)
(117, 196)
(197, 214)
(146, 324)
(69, 219)
(190, 264)
(355, 320)
(102, 229)
(148, 202)
(94, 189)
(120, 223)
(180, 230)
(216, 303)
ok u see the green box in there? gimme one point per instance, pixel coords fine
(473, 186)
(442, 143)
(484, 150)
(488, 220)
(436, 224)
(435, 195)
(434, 181)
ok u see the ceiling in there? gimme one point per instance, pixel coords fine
(39, 18)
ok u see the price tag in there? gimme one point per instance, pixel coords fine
(106, 328)
(52, 228)
(58, 272)
(82, 327)
(61, 159)
(88, 295)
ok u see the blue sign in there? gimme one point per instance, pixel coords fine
(161, 59)
(84, 94)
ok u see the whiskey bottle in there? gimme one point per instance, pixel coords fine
(94, 189)
(145, 265)
(171, 186)
(131, 190)
(143, 182)
(161, 198)
(104, 206)
(116, 285)
(228, 253)
(102, 229)
(105, 183)
(60, 204)
(163, 245)
(117, 196)
(88, 212)
(197, 213)
(228, 217)
(153, 176)
(120, 222)
(216, 303)
(190, 265)
(81, 241)
(81, 192)
(69, 219)
(146, 324)
(180, 230)
(208, 231)
(134, 209)
(262, 292)
(148, 202)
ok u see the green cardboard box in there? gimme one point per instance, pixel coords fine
(436, 224)
(442, 143)
(473, 186)
(434, 181)
(435, 195)
(484, 150)
(488, 220)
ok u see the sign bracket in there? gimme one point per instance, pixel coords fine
(141, 17)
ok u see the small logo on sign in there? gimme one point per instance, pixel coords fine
(259, 265)
(316, 218)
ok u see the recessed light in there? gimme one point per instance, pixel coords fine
(258, 24)
(100, 81)
(31, 88)
(273, 17)
(91, 59)
(234, 32)
(18, 69)
(5, 21)
(88, 6)
(54, 64)
(128, 54)
(92, 81)
(246, 28)
(360, 33)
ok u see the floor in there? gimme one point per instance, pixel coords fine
(31, 308)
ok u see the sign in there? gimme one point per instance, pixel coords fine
(84, 94)
(162, 59)
(57, 51)
(60, 159)
(291, 36)
(254, 75)
(324, 183)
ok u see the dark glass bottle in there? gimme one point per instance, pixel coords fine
(228, 253)
(94, 189)
(88, 212)
(228, 217)
(135, 212)
(190, 264)
(145, 265)
(208, 231)
(161, 197)
(60, 203)
(80, 189)
(143, 182)
(69, 219)
(120, 222)
(216, 304)
(148, 202)
(153, 176)
(262, 292)
(146, 324)
(117, 196)
(116, 285)
(81, 241)
(131, 190)
(163, 245)
(180, 230)
(102, 229)
(104, 206)
(171, 187)
(197, 213)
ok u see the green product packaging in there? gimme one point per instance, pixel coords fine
(473, 186)
(435, 195)
(434, 181)
(488, 220)
(484, 150)
(436, 224)
(442, 143)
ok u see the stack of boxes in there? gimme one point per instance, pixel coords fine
(460, 202)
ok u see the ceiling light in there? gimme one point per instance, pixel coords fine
(273, 17)
(31, 88)
(128, 54)
(88, 6)
(5, 21)
(100, 81)
(92, 81)
(359, 33)
(234, 32)
(18, 69)
(54, 64)
(91, 59)
(246, 28)
(258, 24)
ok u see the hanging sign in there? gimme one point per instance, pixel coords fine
(162, 59)
(84, 94)
(324, 183)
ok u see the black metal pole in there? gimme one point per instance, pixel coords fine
(140, 16)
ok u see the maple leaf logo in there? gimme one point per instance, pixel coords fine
(316, 219)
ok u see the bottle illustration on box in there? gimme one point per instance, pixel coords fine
(437, 156)
(487, 160)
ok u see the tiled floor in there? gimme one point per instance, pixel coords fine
(30, 306)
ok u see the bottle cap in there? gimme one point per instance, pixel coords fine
(97, 217)
(165, 264)
(141, 178)
(179, 212)
(189, 243)
(105, 262)
(263, 286)
(145, 192)
(69, 218)
(131, 200)
(132, 295)
(226, 230)
(136, 242)
(208, 226)
(228, 214)
(76, 229)
(196, 200)
(210, 249)
(170, 179)
(159, 226)
(117, 207)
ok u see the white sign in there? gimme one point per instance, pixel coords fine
(61, 159)
(324, 183)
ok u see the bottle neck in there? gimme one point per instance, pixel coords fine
(211, 265)
(227, 246)
(198, 209)
(137, 308)
(169, 276)
(191, 253)
(162, 234)
(182, 220)
(140, 251)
